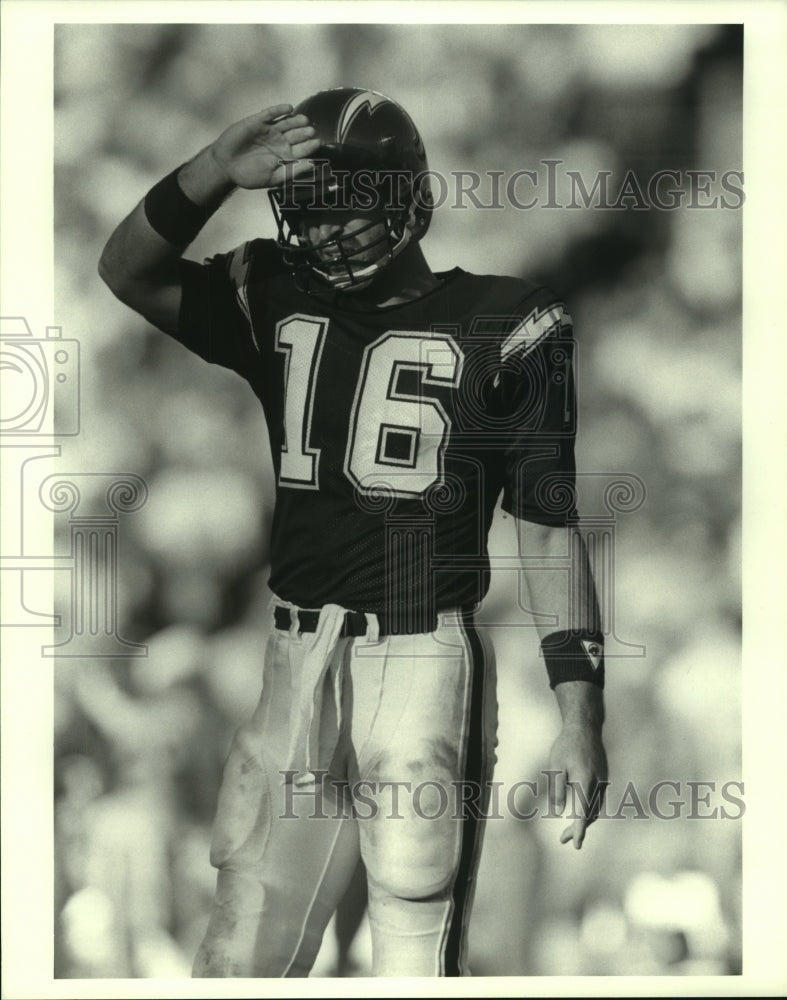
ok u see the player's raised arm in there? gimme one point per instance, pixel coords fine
(140, 260)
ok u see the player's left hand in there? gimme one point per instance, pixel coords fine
(579, 757)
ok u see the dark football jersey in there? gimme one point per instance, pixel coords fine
(394, 431)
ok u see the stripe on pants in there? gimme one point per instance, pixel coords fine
(475, 773)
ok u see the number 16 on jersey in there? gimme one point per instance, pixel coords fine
(397, 432)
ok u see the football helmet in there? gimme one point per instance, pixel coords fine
(371, 162)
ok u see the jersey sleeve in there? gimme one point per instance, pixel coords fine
(214, 320)
(538, 402)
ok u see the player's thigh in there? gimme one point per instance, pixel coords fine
(250, 782)
(256, 790)
(426, 749)
(285, 853)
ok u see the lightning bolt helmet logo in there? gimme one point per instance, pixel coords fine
(364, 99)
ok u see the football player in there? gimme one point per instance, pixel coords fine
(400, 404)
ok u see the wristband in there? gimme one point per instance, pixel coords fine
(174, 216)
(574, 656)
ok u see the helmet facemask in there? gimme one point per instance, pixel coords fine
(345, 261)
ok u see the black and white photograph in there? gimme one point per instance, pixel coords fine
(392, 456)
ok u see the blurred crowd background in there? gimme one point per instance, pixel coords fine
(656, 300)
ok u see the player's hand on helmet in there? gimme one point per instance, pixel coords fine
(579, 758)
(266, 149)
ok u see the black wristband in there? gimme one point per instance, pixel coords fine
(173, 215)
(574, 656)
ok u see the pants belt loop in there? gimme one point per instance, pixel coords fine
(295, 623)
(372, 629)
